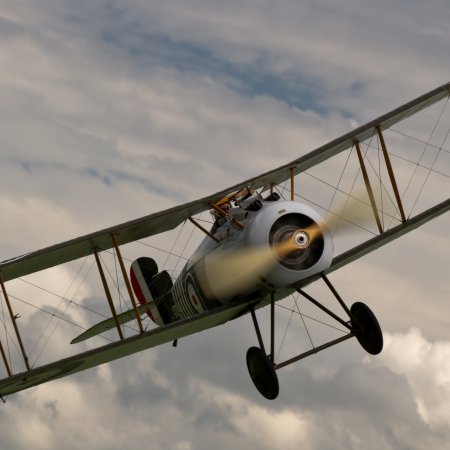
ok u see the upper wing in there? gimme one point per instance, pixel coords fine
(170, 218)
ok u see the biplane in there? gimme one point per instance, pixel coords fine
(260, 248)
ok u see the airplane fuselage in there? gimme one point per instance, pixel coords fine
(240, 264)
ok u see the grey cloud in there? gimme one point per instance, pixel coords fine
(152, 103)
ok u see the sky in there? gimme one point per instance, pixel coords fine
(110, 111)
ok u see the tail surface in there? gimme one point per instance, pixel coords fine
(150, 286)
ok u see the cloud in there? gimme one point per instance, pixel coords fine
(109, 112)
(425, 366)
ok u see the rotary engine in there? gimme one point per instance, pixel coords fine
(280, 222)
(282, 242)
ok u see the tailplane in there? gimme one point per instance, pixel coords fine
(153, 291)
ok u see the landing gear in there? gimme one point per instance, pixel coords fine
(362, 324)
(370, 337)
(262, 373)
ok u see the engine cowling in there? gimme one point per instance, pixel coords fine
(248, 260)
(273, 224)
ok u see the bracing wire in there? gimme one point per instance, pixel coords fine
(296, 310)
(183, 250)
(420, 141)
(383, 187)
(61, 300)
(159, 249)
(427, 144)
(354, 182)
(303, 320)
(72, 302)
(429, 172)
(340, 179)
(21, 300)
(170, 253)
(332, 212)
(69, 303)
(285, 332)
(431, 169)
(313, 319)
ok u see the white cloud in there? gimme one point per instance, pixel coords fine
(426, 366)
(111, 112)
(36, 214)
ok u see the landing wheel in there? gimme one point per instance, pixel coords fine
(262, 373)
(370, 337)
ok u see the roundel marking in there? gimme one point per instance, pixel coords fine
(193, 294)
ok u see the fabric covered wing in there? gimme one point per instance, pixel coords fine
(116, 350)
(199, 323)
(170, 218)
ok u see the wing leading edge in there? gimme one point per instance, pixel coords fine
(168, 219)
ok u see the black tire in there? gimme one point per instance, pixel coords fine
(262, 373)
(370, 337)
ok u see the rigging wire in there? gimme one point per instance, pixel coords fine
(427, 144)
(121, 297)
(184, 248)
(312, 318)
(419, 140)
(64, 298)
(429, 172)
(385, 190)
(303, 320)
(340, 179)
(338, 215)
(332, 212)
(283, 188)
(353, 185)
(431, 169)
(296, 310)
(160, 249)
(64, 312)
(285, 333)
(170, 253)
(47, 312)
(44, 329)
